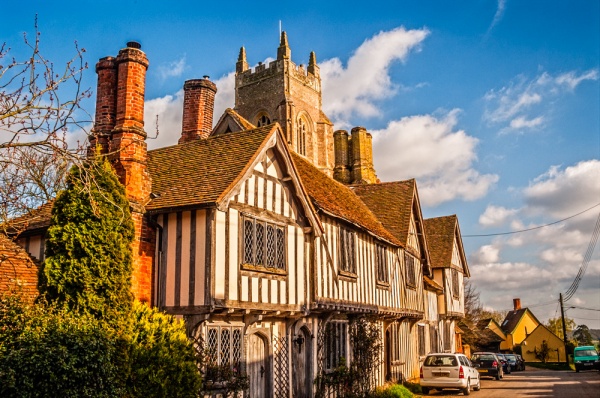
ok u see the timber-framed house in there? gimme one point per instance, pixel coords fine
(268, 232)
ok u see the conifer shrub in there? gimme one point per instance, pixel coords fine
(88, 248)
(163, 361)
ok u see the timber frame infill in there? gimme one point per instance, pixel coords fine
(453, 315)
(353, 308)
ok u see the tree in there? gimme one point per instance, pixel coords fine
(543, 353)
(582, 335)
(88, 248)
(39, 105)
(164, 362)
(555, 326)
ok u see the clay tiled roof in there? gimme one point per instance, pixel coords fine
(18, 272)
(440, 236)
(201, 172)
(338, 200)
(239, 120)
(513, 318)
(392, 202)
(34, 219)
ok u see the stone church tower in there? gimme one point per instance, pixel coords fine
(289, 94)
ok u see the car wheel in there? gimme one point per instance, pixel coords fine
(467, 390)
(478, 386)
(425, 390)
(576, 369)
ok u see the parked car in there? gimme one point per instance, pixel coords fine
(487, 364)
(514, 362)
(505, 363)
(586, 358)
(449, 371)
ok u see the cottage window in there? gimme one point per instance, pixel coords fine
(346, 250)
(421, 334)
(224, 347)
(455, 288)
(433, 339)
(301, 137)
(411, 279)
(336, 337)
(264, 244)
(382, 267)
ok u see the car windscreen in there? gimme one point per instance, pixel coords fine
(483, 357)
(585, 353)
(511, 357)
(440, 360)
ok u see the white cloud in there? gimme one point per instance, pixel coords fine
(496, 215)
(521, 122)
(545, 259)
(563, 192)
(169, 110)
(498, 15)
(440, 158)
(525, 104)
(172, 69)
(354, 90)
(486, 254)
(571, 79)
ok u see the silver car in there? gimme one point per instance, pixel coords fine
(449, 371)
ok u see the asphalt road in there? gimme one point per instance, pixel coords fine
(537, 383)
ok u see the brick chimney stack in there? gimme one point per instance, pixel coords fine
(198, 108)
(517, 304)
(362, 157)
(341, 170)
(106, 104)
(119, 130)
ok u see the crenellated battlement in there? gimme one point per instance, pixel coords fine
(267, 71)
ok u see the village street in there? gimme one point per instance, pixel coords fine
(537, 383)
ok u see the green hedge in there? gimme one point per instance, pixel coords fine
(46, 350)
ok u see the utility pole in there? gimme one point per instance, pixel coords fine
(564, 328)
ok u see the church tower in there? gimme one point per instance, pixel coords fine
(289, 94)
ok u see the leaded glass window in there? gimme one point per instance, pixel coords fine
(411, 278)
(224, 346)
(264, 243)
(381, 261)
(301, 137)
(336, 336)
(346, 250)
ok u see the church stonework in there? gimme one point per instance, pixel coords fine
(289, 94)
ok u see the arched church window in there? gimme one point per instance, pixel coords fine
(301, 136)
(263, 120)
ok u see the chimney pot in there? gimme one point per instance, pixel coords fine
(134, 44)
(517, 303)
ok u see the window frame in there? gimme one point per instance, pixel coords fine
(301, 133)
(455, 283)
(381, 262)
(347, 252)
(335, 344)
(279, 262)
(215, 350)
(411, 270)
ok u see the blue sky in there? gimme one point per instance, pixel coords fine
(493, 106)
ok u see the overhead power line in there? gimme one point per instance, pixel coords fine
(532, 228)
(586, 260)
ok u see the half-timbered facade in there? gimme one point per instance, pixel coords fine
(449, 270)
(242, 231)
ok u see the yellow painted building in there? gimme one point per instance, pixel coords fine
(517, 325)
(534, 341)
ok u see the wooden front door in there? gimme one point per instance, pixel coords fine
(301, 364)
(258, 372)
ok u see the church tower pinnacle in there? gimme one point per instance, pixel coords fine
(289, 94)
